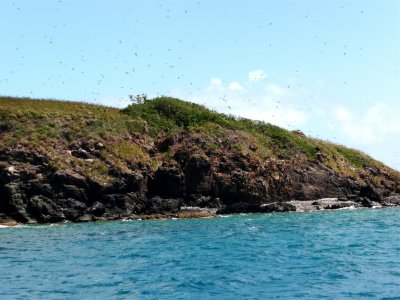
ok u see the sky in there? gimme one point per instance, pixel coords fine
(328, 68)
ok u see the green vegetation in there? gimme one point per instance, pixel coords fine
(54, 128)
(355, 157)
(172, 115)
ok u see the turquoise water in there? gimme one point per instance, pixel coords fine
(319, 255)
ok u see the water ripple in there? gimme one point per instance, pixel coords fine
(322, 255)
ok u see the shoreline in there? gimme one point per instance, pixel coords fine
(300, 206)
(80, 163)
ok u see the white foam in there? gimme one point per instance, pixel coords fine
(348, 208)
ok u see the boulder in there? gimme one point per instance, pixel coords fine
(71, 208)
(85, 218)
(366, 202)
(240, 207)
(97, 209)
(202, 201)
(277, 207)
(15, 202)
(158, 205)
(370, 193)
(44, 210)
(80, 153)
(69, 178)
(394, 200)
(72, 191)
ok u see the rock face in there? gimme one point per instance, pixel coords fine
(31, 191)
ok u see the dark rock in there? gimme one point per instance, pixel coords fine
(335, 206)
(37, 187)
(366, 202)
(125, 204)
(281, 156)
(99, 146)
(80, 153)
(97, 209)
(69, 178)
(71, 208)
(340, 204)
(253, 148)
(24, 156)
(72, 191)
(277, 207)
(15, 203)
(224, 177)
(320, 156)
(163, 144)
(44, 210)
(137, 182)
(167, 182)
(125, 183)
(240, 207)
(199, 200)
(158, 205)
(370, 193)
(316, 182)
(395, 199)
(373, 171)
(5, 219)
(197, 171)
(85, 218)
(241, 187)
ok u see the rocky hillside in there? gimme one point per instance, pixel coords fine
(165, 157)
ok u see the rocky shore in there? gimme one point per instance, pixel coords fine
(32, 192)
(167, 158)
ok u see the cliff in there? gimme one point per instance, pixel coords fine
(69, 161)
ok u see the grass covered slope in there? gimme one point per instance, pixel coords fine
(51, 127)
(178, 150)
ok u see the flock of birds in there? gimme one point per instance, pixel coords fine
(83, 63)
(133, 64)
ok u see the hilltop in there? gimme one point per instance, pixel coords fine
(69, 161)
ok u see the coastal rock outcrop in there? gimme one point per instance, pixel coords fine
(168, 158)
(31, 192)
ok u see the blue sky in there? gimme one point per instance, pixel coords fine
(329, 68)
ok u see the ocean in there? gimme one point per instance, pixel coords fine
(346, 254)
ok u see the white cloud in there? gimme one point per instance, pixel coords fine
(257, 75)
(374, 129)
(235, 86)
(216, 81)
(378, 123)
(277, 90)
(318, 111)
(342, 114)
(253, 103)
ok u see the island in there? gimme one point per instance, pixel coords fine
(66, 161)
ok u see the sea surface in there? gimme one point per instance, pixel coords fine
(347, 254)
